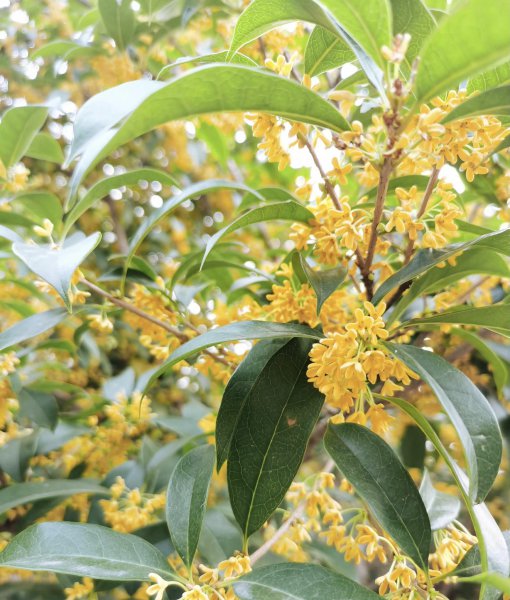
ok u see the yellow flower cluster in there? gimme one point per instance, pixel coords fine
(80, 590)
(344, 363)
(8, 363)
(128, 510)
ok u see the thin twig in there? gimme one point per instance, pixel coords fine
(327, 182)
(120, 233)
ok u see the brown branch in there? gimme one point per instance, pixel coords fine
(120, 233)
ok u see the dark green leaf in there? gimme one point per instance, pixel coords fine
(271, 436)
(442, 508)
(465, 43)
(86, 551)
(372, 467)
(292, 581)
(243, 383)
(38, 407)
(186, 500)
(324, 283)
(30, 327)
(468, 410)
(244, 330)
(26, 493)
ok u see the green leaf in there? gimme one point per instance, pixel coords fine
(424, 260)
(64, 49)
(325, 51)
(102, 187)
(492, 102)
(85, 551)
(18, 128)
(374, 470)
(324, 283)
(18, 494)
(489, 79)
(243, 330)
(468, 410)
(413, 17)
(493, 579)
(57, 265)
(293, 581)
(471, 562)
(43, 205)
(471, 262)
(244, 383)
(286, 211)
(45, 147)
(465, 43)
(442, 508)
(213, 57)
(106, 121)
(195, 190)
(186, 500)
(38, 407)
(31, 327)
(271, 435)
(495, 318)
(119, 20)
(491, 539)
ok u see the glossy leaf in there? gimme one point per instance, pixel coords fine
(85, 551)
(19, 494)
(271, 436)
(204, 90)
(468, 410)
(186, 500)
(243, 383)
(45, 147)
(442, 508)
(325, 282)
(104, 186)
(379, 478)
(244, 330)
(413, 17)
(119, 20)
(489, 79)
(293, 581)
(495, 101)
(424, 260)
(465, 43)
(495, 317)
(31, 327)
(18, 128)
(281, 211)
(325, 51)
(57, 265)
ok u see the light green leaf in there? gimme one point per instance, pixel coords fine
(18, 128)
(489, 79)
(204, 90)
(413, 17)
(491, 102)
(18, 494)
(442, 508)
(31, 327)
(282, 410)
(468, 410)
(424, 260)
(324, 283)
(57, 265)
(186, 500)
(379, 478)
(287, 211)
(214, 57)
(64, 49)
(243, 330)
(119, 20)
(85, 551)
(45, 147)
(244, 382)
(495, 317)
(467, 42)
(293, 581)
(102, 187)
(493, 579)
(325, 51)
(43, 205)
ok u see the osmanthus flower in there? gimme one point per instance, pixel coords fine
(400, 575)
(80, 590)
(8, 363)
(158, 588)
(234, 566)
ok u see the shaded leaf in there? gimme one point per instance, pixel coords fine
(442, 508)
(324, 283)
(31, 327)
(45, 147)
(119, 20)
